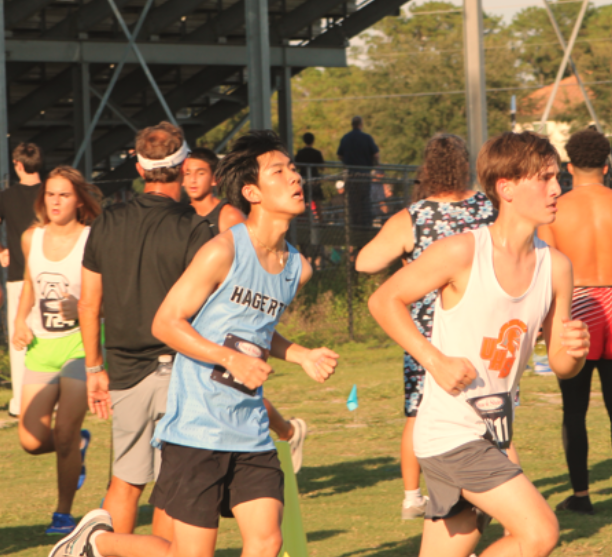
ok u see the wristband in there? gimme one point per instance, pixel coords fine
(94, 369)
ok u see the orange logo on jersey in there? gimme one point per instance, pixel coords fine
(501, 351)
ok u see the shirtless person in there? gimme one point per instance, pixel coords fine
(583, 232)
(497, 285)
(199, 182)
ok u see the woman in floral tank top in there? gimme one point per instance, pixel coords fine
(443, 205)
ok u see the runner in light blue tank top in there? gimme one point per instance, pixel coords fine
(202, 412)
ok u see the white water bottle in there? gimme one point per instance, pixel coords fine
(164, 366)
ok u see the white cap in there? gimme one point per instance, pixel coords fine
(165, 359)
(339, 185)
(170, 161)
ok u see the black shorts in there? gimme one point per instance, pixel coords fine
(195, 486)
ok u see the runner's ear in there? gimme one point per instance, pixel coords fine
(251, 193)
(505, 189)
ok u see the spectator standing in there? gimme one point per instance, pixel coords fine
(309, 155)
(54, 374)
(358, 149)
(583, 232)
(17, 210)
(135, 253)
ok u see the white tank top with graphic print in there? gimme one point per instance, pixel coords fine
(496, 333)
(51, 280)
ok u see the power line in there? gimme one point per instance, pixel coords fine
(436, 93)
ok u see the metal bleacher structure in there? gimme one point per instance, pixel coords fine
(73, 70)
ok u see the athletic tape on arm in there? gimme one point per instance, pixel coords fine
(170, 161)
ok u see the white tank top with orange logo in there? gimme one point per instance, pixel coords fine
(497, 333)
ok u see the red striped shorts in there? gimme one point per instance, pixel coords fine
(593, 305)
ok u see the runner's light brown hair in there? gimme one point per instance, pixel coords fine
(513, 156)
(88, 194)
(445, 168)
(156, 143)
(30, 155)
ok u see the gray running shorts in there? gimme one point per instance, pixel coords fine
(73, 369)
(477, 466)
(136, 412)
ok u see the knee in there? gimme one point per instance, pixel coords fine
(541, 541)
(31, 445)
(265, 546)
(66, 439)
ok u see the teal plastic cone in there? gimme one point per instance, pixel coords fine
(294, 536)
(352, 403)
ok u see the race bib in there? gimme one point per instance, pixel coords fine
(496, 412)
(223, 376)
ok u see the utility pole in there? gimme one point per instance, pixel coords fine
(476, 96)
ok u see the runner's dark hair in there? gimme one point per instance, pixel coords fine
(240, 167)
(206, 155)
(588, 149)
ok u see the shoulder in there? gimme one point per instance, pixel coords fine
(217, 253)
(458, 248)
(230, 216)
(401, 221)
(560, 263)
(306, 273)
(26, 239)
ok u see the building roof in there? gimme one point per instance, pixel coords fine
(568, 96)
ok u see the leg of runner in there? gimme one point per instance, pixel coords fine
(293, 430)
(451, 537)
(37, 403)
(521, 509)
(67, 438)
(259, 521)
(605, 375)
(414, 503)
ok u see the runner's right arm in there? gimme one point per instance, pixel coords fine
(23, 336)
(444, 266)
(172, 326)
(393, 240)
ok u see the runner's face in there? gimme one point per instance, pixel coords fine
(61, 201)
(280, 184)
(536, 197)
(198, 179)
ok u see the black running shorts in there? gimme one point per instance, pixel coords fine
(195, 486)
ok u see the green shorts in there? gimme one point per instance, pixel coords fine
(50, 354)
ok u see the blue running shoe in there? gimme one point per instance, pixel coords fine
(62, 524)
(85, 439)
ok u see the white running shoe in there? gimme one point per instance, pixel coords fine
(300, 430)
(414, 509)
(77, 543)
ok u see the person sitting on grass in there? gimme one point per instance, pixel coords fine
(218, 457)
(199, 182)
(496, 286)
(55, 361)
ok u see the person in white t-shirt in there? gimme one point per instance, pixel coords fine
(496, 286)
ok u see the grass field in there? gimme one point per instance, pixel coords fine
(350, 486)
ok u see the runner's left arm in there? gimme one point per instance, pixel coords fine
(567, 340)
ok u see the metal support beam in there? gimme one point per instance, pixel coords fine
(563, 65)
(300, 17)
(285, 117)
(113, 81)
(232, 133)
(18, 11)
(476, 96)
(258, 63)
(86, 108)
(98, 52)
(165, 15)
(561, 40)
(229, 19)
(5, 160)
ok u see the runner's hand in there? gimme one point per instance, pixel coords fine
(252, 372)
(22, 337)
(454, 374)
(320, 364)
(576, 338)
(98, 397)
(69, 308)
(5, 257)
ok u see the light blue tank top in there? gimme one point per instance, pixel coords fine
(208, 414)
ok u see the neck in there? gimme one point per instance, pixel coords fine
(66, 229)
(29, 179)
(205, 204)
(590, 179)
(512, 234)
(269, 229)
(170, 189)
